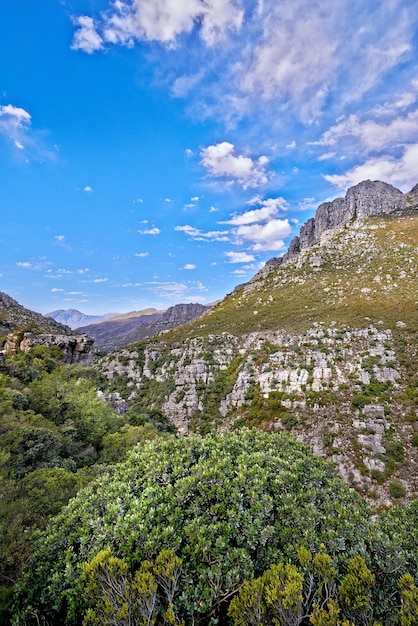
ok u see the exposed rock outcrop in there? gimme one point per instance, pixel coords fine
(367, 199)
(77, 348)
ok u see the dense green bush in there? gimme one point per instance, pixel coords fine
(228, 505)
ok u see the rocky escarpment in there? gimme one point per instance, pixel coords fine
(365, 200)
(14, 316)
(76, 348)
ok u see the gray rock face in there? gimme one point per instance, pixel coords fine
(307, 235)
(366, 199)
(374, 198)
(412, 196)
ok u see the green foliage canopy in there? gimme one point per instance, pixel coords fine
(226, 504)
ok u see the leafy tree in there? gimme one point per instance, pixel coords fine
(226, 504)
(115, 446)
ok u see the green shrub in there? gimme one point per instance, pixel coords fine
(396, 490)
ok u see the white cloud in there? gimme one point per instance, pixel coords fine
(239, 272)
(220, 161)
(183, 85)
(294, 55)
(141, 254)
(307, 204)
(100, 280)
(37, 264)
(400, 172)
(176, 291)
(157, 20)
(15, 124)
(150, 231)
(195, 233)
(269, 208)
(14, 116)
(189, 266)
(239, 257)
(374, 135)
(265, 237)
(86, 38)
(56, 290)
(326, 156)
(88, 188)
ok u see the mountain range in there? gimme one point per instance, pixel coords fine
(74, 318)
(321, 342)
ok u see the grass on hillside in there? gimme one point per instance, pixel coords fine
(369, 274)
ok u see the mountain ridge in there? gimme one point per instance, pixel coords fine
(366, 199)
(125, 329)
(73, 318)
(324, 345)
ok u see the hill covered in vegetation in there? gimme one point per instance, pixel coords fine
(109, 515)
(323, 345)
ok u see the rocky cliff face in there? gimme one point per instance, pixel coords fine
(76, 348)
(365, 200)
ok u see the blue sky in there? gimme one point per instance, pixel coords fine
(160, 151)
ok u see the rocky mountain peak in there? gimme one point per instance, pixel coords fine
(367, 199)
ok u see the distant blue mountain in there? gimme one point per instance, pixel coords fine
(74, 318)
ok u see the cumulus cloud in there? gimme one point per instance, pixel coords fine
(400, 172)
(14, 117)
(150, 231)
(88, 188)
(198, 235)
(86, 37)
(265, 237)
(220, 161)
(269, 208)
(239, 257)
(141, 254)
(157, 20)
(189, 266)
